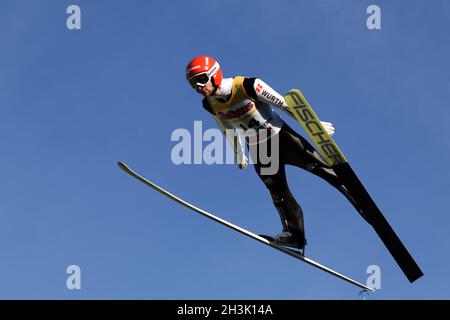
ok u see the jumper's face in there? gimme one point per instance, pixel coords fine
(206, 90)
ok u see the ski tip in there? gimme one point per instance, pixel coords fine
(123, 166)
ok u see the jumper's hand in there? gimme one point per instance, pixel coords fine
(244, 162)
(328, 127)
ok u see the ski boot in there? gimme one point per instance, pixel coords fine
(288, 239)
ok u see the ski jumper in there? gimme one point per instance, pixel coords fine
(246, 103)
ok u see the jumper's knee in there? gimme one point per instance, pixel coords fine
(280, 195)
(276, 197)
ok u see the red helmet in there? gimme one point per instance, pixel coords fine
(201, 69)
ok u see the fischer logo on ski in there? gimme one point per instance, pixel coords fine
(311, 124)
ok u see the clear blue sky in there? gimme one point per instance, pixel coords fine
(73, 103)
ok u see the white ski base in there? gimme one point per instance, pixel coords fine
(287, 251)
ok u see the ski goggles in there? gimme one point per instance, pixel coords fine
(201, 79)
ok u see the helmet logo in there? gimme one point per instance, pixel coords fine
(213, 70)
(193, 68)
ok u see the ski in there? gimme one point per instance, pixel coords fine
(336, 160)
(290, 252)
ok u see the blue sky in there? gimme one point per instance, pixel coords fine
(73, 103)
